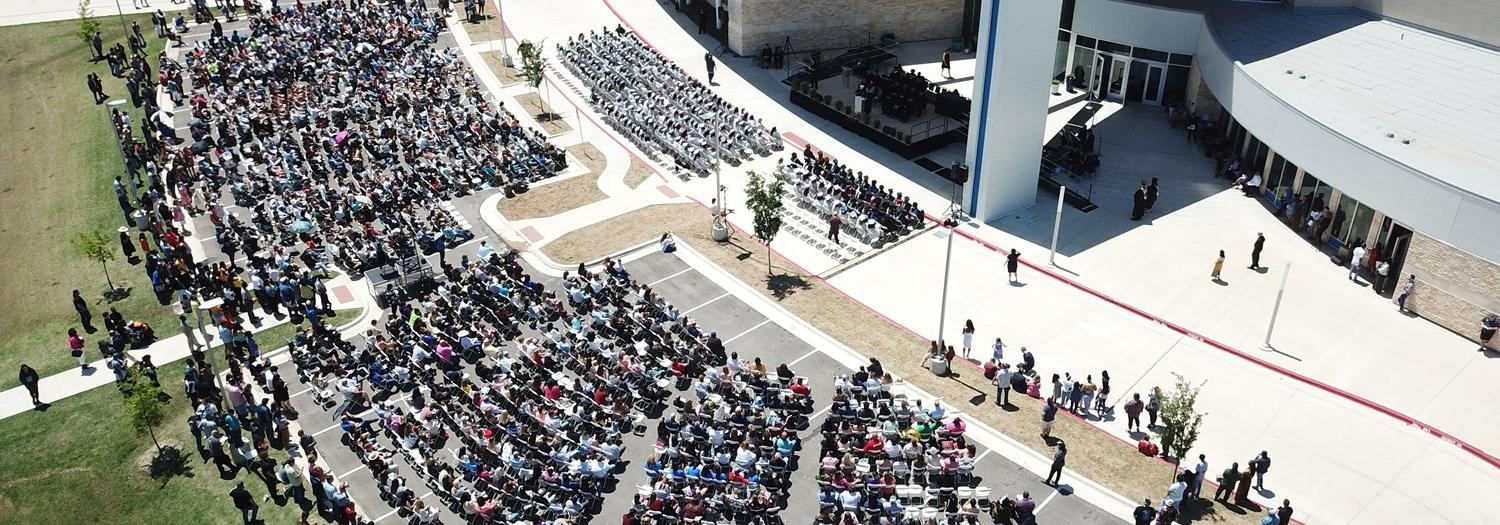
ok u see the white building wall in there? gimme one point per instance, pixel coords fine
(1129, 23)
(1425, 204)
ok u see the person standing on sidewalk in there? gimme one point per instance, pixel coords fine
(1153, 405)
(1152, 192)
(835, 223)
(31, 380)
(1002, 385)
(1356, 258)
(708, 64)
(1144, 513)
(1487, 328)
(1012, 263)
(1382, 269)
(1284, 512)
(75, 345)
(1049, 413)
(1260, 244)
(1133, 410)
(1226, 480)
(1218, 267)
(1200, 471)
(84, 316)
(1261, 464)
(187, 331)
(947, 67)
(968, 337)
(1406, 288)
(1059, 459)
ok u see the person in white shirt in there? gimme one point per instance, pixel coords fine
(1356, 259)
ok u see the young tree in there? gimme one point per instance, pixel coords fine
(87, 24)
(764, 201)
(1179, 421)
(144, 406)
(533, 68)
(95, 248)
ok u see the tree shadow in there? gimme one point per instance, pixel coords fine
(117, 294)
(784, 285)
(170, 462)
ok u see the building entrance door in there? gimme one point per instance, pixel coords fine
(1109, 77)
(1155, 79)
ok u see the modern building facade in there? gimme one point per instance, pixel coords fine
(1385, 109)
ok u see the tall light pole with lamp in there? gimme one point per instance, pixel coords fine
(959, 175)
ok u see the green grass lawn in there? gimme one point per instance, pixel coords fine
(77, 463)
(56, 164)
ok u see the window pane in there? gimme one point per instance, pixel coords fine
(1181, 60)
(1085, 41)
(1273, 179)
(1149, 54)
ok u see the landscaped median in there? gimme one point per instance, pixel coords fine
(1092, 452)
(563, 195)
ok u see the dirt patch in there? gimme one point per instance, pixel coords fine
(55, 472)
(508, 76)
(1092, 453)
(552, 199)
(618, 233)
(486, 30)
(637, 173)
(551, 123)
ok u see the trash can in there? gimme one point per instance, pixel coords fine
(938, 366)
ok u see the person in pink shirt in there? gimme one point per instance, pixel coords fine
(75, 345)
(445, 352)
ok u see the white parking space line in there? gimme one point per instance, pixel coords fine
(804, 356)
(1045, 502)
(351, 471)
(982, 456)
(669, 277)
(752, 329)
(710, 301)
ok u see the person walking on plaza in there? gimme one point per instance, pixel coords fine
(1261, 464)
(31, 380)
(1218, 267)
(1133, 410)
(1138, 203)
(1260, 244)
(968, 337)
(1382, 270)
(1012, 263)
(84, 316)
(1356, 259)
(1226, 480)
(75, 345)
(249, 509)
(998, 350)
(835, 223)
(1487, 328)
(947, 68)
(187, 332)
(1059, 458)
(1406, 288)
(1152, 192)
(708, 64)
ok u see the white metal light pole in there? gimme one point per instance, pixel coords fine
(504, 33)
(1277, 308)
(1057, 224)
(950, 219)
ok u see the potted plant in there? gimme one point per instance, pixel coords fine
(839, 105)
(1056, 87)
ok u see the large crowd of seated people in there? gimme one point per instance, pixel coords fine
(534, 388)
(658, 106)
(869, 211)
(902, 94)
(888, 459)
(728, 450)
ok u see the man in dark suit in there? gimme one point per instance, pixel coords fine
(1138, 207)
(1260, 243)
